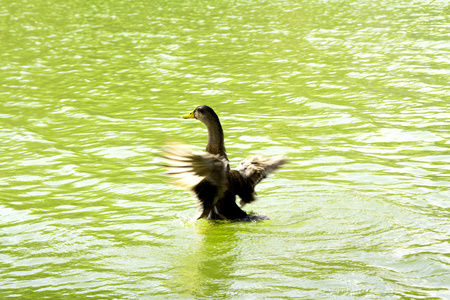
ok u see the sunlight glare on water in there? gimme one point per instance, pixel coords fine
(354, 94)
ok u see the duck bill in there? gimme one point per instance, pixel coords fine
(189, 116)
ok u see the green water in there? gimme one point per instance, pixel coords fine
(354, 93)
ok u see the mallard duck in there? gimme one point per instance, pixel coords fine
(208, 174)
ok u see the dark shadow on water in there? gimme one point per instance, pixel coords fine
(251, 217)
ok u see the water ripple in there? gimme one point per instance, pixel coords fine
(353, 94)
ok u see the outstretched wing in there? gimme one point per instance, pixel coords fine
(201, 172)
(254, 169)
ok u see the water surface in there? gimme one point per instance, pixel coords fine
(354, 93)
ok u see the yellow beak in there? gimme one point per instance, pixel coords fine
(189, 116)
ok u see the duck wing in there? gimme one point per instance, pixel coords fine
(203, 173)
(254, 169)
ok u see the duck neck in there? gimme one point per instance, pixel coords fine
(216, 144)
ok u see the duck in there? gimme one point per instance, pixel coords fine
(208, 174)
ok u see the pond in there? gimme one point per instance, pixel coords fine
(353, 93)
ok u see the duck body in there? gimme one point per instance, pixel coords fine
(208, 174)
(224, 207)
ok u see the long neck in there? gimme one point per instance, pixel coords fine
(216, 143)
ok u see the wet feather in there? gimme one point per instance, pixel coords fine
(208, 174)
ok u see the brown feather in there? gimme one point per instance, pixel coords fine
(208, 174)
